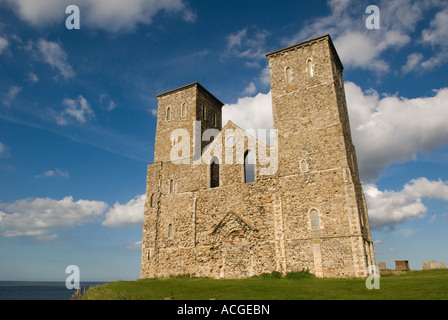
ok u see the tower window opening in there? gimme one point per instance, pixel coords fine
(171, 186)
(168, 114)
(314, 216)
(249, 166)
(304, 166)
(214, 173)
(204, 112)
(288, 75)
(310, 68)
(183, 110)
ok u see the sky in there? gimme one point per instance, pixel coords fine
(78, 116)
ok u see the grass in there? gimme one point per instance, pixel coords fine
(414, 285)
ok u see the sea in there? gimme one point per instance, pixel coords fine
(39, 290)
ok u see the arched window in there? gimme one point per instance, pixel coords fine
(215, 120)
(288, 75)
(170, 230)
(204, 112)
(183, 110)
(214, 173)
(171, 186)
(310, 68)
(314, 216)
(304, 166)
(249, 166)
(152, 199)
(168, 114)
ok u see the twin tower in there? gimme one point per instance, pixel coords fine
(222, 204)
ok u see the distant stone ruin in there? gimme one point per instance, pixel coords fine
(431, 265)
(401, 265)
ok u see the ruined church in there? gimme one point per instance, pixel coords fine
(222, 203)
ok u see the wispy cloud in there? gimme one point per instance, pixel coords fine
(53, 173)
(248, 44)
(3, 150)
(32, 77)
(107, 103)
(3, 44)
(11, 94)
(53, 54)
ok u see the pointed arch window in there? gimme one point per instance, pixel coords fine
(314, 216)
(288, 75)
(214, 173)
(310, 68)
(171, 186)
(249, 166)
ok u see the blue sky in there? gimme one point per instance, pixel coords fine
(77, 116)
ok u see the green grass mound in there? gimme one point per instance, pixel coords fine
(414, 285)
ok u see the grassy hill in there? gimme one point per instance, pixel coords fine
(414, 285)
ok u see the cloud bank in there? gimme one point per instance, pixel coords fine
(108, 15)
(39, 217)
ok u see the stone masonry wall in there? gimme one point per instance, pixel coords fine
(310, 213)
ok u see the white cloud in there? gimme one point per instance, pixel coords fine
(388, 208)
(250, 112)
(130, 213)
(153, 111)
(78, 109)
(109, 15)
(134, 246)
(3, 44)
(11, 94)
(392, 129)
(265, 76)
(53, 54)
(32, 78)
(413, 62)
(250, 89)
(38, 217)
(436, 37)
(3, 150)
(107, 103)
(53, 173)
(385, 129)
(359, 47)
(249, 45)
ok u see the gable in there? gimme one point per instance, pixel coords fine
(232, 230)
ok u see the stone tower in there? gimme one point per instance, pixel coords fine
(310, 112)
(181, 108)
(207, 219)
